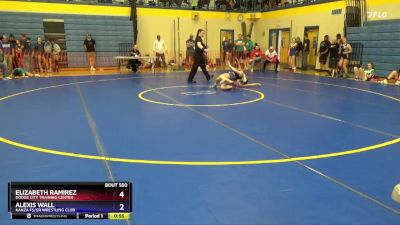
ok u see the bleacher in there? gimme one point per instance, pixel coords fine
(108, 31)
(16, 23)
(208, 5)
(381, 40)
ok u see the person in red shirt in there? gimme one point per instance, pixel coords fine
(271, 57)
(255, 56)
(19, 54)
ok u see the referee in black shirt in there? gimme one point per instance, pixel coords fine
(200, 55)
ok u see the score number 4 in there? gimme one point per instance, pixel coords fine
(121, 206)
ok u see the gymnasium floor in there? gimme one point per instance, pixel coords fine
(297, 150)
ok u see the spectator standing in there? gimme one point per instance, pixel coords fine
(239, 47)
(48, 51)
(231, 48)
(334, 56)
(339, 38)
(56, 50)
(22, 40)
(39, 54)
(160, 50)
(8, 59)
(324, 51)
(28, 55)
(189, 51)
(299, 52)
(225, 49)
(13, 46)
(90, 47)
(345, 51)
(249, 49)
(19, 54)
(292, 54)
(3, 64)
(306, 52)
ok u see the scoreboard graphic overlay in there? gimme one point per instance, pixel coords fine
(70, 200)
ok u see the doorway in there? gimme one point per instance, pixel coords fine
(313, 36)
(280, 39)
(229, 35)
(54, 31)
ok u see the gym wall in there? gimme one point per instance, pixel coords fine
(298, 18)
(155, 21)
(383, 9)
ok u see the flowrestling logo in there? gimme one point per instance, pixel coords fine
(382, 14)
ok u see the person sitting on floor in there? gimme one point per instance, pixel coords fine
(271, 57)
(365, 74)
(395, 75)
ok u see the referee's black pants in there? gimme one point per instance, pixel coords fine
(199, 60)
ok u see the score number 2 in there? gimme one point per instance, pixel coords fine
(121, 206)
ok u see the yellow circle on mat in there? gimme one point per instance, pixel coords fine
(141, 96)
(190, 163)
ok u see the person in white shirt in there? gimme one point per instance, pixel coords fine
(159, 50)
(55, 56)
(271, 57)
